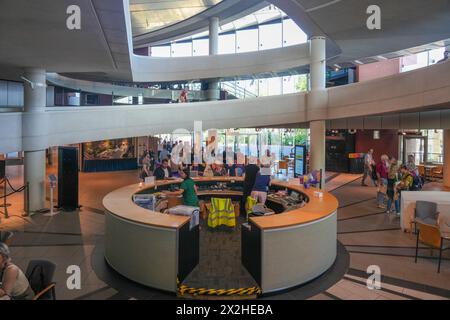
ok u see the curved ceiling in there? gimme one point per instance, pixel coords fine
(226, 11)
(151, 15)
(404, 24)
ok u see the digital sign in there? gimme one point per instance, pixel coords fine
(300, 161)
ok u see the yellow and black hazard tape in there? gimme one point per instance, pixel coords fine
(183, 290)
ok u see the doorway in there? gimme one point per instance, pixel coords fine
(417, 146)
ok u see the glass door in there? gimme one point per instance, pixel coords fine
(416, 146)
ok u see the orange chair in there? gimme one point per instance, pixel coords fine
(283, 165)
(438, 172)
(432, 236)
(421, 169)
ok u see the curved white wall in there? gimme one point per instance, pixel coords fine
(402, 92)
(412, 91)
(152, 69)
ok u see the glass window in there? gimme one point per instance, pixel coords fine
(290, 84)
(200, 47)
(183, 49)
(415, 61)
(292, 34)
(270, 87)
(435, 146)
(160, 51)
(227, 43)
(270, 36)
(436, 55)
(247, 40)
(251, 88)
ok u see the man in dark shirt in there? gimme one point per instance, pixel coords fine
(249, 181)
(164, 171)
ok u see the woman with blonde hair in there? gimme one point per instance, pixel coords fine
(14, 283)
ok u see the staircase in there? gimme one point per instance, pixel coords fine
(236, 92)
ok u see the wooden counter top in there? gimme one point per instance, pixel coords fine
(316, 209)
(120, 203)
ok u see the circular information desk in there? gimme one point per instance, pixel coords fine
(280, 251)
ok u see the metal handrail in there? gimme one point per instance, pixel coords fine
(238, 91)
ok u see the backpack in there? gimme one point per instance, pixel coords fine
(417, 183)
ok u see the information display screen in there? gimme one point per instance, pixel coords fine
(300, 161)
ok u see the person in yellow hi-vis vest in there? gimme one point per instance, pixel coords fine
(221, 213)
(249, 205)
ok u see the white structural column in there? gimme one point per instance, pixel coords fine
(34, 159)
(317, 104)
(447, 158)
(213, 92)
(213, 36)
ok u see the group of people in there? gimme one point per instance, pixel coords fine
(391, 178)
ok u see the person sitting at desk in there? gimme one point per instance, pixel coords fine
(188, 189)
(14, 283)
(219, 170)
(164, 171)
(208, 172)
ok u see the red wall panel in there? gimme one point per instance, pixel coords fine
(387, 144)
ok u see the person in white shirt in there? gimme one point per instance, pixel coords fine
(368, 163)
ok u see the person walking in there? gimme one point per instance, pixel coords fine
(368, 167)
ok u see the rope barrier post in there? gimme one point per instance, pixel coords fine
(27, 199)
(5, 205)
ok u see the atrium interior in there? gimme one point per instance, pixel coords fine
(225, 149)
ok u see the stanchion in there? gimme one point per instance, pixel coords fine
(52, 180)
(5, 205)
(27, 200)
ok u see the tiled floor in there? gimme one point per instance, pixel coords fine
(370, 237)
(220, 260)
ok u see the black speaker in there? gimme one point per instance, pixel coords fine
(68, 178)
(2, 169)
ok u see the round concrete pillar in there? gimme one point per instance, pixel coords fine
(34, 126)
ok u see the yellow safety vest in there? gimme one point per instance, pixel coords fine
(249, 204)
(222, 213)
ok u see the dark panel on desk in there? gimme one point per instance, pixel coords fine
(251, 251)
(188, 250)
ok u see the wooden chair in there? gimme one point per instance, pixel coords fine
(425, 212)
(438, 172)
(40, 276)
(421, 170)
(174, 201)
(283, 165)
(430, 235)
